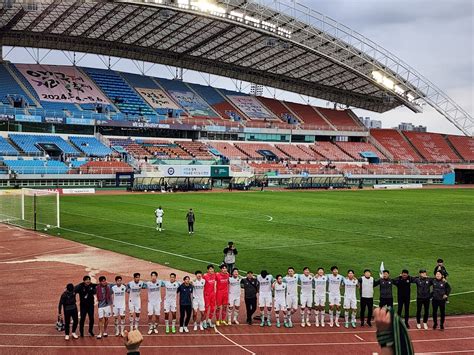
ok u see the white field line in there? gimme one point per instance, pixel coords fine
(262, 345)
(233, 342)
(358, 337)
(270, 218)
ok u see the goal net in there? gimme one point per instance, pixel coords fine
(30, 208)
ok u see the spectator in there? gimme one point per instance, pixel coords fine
(440, 267)
(229, 256)
(391, 334)
(132, 341)
(68, 303)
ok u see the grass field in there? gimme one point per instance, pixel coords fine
(273, 230)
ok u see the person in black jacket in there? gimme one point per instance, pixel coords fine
(403, 283)
(440, 267)
(251, 286)
(386, 294)
(229, 256)
(185, 291)
(86, 291)
(441, 291)
(423, 295)
(68, 303)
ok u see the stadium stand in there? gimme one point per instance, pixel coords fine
(105, 167)
(261, 167)
(197, 149)
(36, 166)
(354, 149)
(10, 88)
(119, 92)
(330, 151)
(464, 146)
(432, 147)
(295, 152)
(279, 110)
(228, 150)
(396, 144)
(251, 149)
(309, 116)
(28, 143)
(90, 146)
(342, 120)
(433, 169)
(218, 102)
(6, 148)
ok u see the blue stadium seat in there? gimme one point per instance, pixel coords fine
(10, 87)
(6, 148)
(90, 146)
(27, 143)
(118, 90)
(36, 166)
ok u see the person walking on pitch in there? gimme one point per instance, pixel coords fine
(159, 218)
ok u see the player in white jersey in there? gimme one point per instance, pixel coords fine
(171, 288)
(334, 287)
(159, 218)
(265, 296)
(154, 302)
(306, 296)
(134, 302)
(234, 297)
(291, 281)
(320, 282)
(198, 300)
(118, 308)
(350, 299)
(279, 301)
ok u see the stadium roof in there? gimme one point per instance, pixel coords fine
(280, 44)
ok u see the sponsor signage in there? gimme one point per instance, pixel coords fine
(28, 118)
(80, 121)
(77, 191)
(54, 120)
(219, 171)
(4, 117)
(186, 170)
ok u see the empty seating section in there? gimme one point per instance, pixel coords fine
(432, 147)
(311, 152)
(105, 167)
(217, 102)
(6, 148)
(464, 146)
(119, 92)
(29, 143)
(355, 148)
(309, 116)
(10, 87)
(433, 169)
(294, 152)
(340, 119)
(330, 151)
(36, 166)
(166, 150)
(228, 150)
(393, 141)
(195, 148)
(251, 149)
(278, 109)
(90, 146)
(261, 168)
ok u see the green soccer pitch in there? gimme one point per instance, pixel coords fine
(273, 230)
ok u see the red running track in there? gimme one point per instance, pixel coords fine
(36, 268)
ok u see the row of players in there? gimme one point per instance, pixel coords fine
(219, 295)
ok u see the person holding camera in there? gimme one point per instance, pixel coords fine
(229, 256)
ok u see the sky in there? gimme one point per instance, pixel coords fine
(436, 37)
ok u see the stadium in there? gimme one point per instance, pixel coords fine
(91, 153)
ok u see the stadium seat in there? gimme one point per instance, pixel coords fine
(330, 151)
(228, 150)
(36, 166)
(395, 144)
(10, 87)
(6, 148)
(309, 116)
(432, 146)
(197, 149)
(354, 149)
(464, 146)
(295, 152)
(105, 167)
(251, 149)
(90, 146)
(28, 143)
(341, 119)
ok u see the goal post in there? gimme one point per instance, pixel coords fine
(30, 208)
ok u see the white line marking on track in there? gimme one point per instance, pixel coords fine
(448, 352)
(358, 337)
(233, 342)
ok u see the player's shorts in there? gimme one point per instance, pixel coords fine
(234, 300)
(306, 300)
(222, 298)
(105, 312)
(154, 308)
(169, 305)
(198, 304)
(334, 299)
(292, 301)
(118, 311)
(265, 300)
(319, 299)
(350, 303)
(210, 302)
(159, 220)
(134, 306)
(279, 305)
